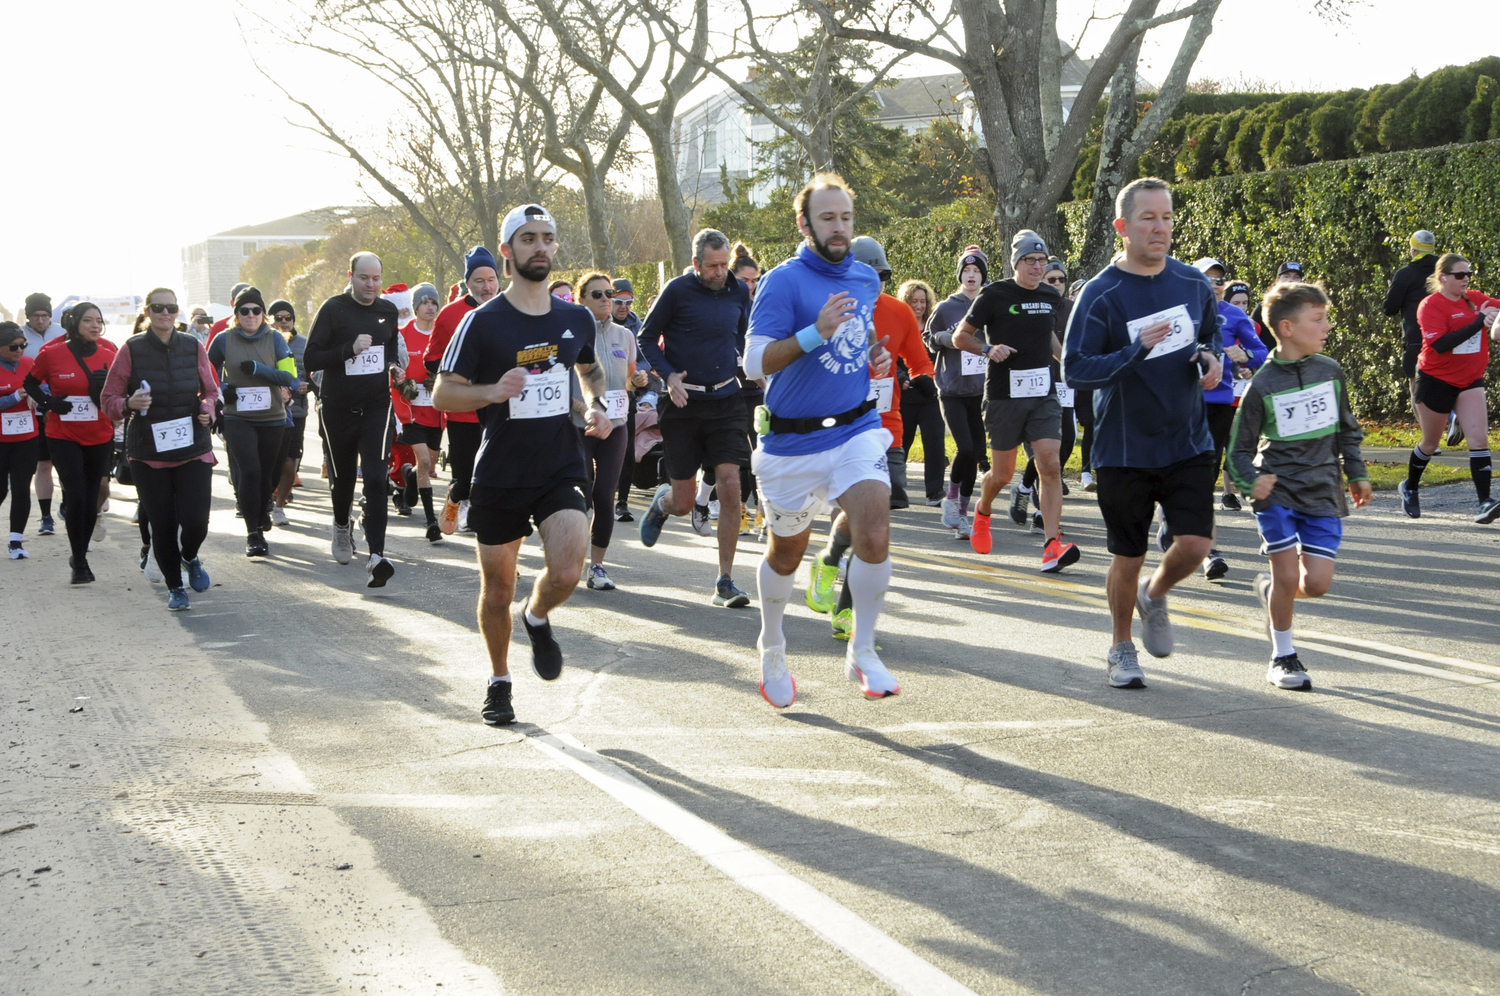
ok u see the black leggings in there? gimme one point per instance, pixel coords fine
(627, 464)
(175, 500)
(1083, 405)
(463, 447)
(926, 416)
(17, 468)
(1220, 424)
(965, 420)
(603, 457)
(1069, 437)
(79, 470)
(255, 448)
(360, 438)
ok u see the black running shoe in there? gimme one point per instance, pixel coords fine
(1489, 511)
(1230, 501)
(1411, 501)
(622, 512)
(546, 655)
(434, 531)
(255, 545)
(81, 572)
(497, 709)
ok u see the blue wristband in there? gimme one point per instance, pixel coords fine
(809, 339)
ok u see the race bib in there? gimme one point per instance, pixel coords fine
(616, 405)
(423, 399)
(173, 435)
(545, 395)
(1241, 387)
(1308, 410)
(252, 399)
(371, 361)
(17, 424)
(972, 363)
(83, 409)
(882, 392)
(1065, 395)
(1180, 337)
(1469, 345)
(1030, 383)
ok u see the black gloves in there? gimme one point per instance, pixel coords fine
(247, 367)
(59, 406)
(923, 388)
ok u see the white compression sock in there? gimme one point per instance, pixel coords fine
(775, 590)
(495, 679)
(703, 489)
(535, 622)
(1281, 641)
(867, 586)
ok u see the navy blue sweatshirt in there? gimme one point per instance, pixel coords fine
(1149, 410)
(700, 332)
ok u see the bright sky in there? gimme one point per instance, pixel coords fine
(161, 133)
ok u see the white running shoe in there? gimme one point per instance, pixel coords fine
(867, 669)
(343, 542)
(463, 516)
(699, 520)
(776, 683)
(1124, 669)
(713, 510)
(17, 551)
(152, 571)
(135, 515)
(965, 529)
(1156, 624)
(278, 517)
(951, 518)
(1287, 672)
(1087, 480)
(99, 533)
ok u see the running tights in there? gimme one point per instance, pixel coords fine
(17, 468)
(926, 417)
(175, 500)
(255, 448)
(604, 457)
(966, 425)
(627, 464)
(1083, 405)
(463, 446)
(356, 442)
(79, 469)
(1069, 437)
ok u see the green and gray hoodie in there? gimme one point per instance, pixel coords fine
(1295, 422)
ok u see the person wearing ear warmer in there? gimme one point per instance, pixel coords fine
(253, 364)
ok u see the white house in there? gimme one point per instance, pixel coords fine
(722, 132)
(212, 267)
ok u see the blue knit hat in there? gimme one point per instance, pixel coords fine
(477, 257)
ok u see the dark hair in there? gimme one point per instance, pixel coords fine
(10, 332)
(740, 257)
(1445, 264)
(589, 278)
(1283, 301)
(74, 315)
(559, 282)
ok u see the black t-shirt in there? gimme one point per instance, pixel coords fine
(529, 441)
(350, 382)
(1008, 314)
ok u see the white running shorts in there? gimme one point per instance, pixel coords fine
(794, 490)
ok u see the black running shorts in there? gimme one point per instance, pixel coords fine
(704, 434)
(503, 515)
(1009, 422)
(430, 436)
(1439, 395)
(1128, 497)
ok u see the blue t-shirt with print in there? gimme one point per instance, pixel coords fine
(833, 378)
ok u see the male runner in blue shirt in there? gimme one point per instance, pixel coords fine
(821, 440)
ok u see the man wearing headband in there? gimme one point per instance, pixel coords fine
(1408, 288)
(512, 360)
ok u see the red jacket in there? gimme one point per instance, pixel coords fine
(1461, 364)
(416, 351)
(66, 377)
(895, 319)
(442, 334)
(14, 421)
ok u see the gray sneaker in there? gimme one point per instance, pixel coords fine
(1156, 625)
(343, 542)
(1124, 668)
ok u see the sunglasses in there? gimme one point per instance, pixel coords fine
(1461, 274)
(18, 344)
(1217, 281)
(164, 309)
(283, 317)
(597, 294)
(1057, 280)
(251, 310)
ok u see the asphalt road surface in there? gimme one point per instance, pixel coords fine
(288, 789)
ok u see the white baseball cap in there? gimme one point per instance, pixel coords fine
(1208, 263)
(523, 215)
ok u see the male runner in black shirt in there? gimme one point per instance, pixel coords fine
(511, 358)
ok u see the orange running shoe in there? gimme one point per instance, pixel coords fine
(448, 521)
(979, 534)
(1057, 554)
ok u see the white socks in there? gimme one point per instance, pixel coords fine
(704, 488)
(1281, 642)
(495, 679)
(775, 589)
(867, 586)
(533, 620)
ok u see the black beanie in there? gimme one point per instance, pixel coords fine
(281, 305)
(38, 302)
(250, 295)
(975, 255)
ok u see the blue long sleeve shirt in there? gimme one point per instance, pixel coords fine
(1148, 403)
(699, 332)
(1236, 328)
(833, 378)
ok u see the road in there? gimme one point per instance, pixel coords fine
(288, 789)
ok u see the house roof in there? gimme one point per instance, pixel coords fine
(308, 224)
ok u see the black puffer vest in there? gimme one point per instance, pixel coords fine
(171, 368)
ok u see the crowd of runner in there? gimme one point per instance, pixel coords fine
(751, 402)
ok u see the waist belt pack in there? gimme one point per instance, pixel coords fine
(801, 426)
(708, 388)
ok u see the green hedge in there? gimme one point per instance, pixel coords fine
(1348, 223)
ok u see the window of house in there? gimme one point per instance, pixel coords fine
(711, 149)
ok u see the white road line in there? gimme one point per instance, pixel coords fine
(871, 947)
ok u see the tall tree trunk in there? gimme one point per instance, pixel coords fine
(1115, 166)
(674, 210)
(594, 206)
(1049, 80)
